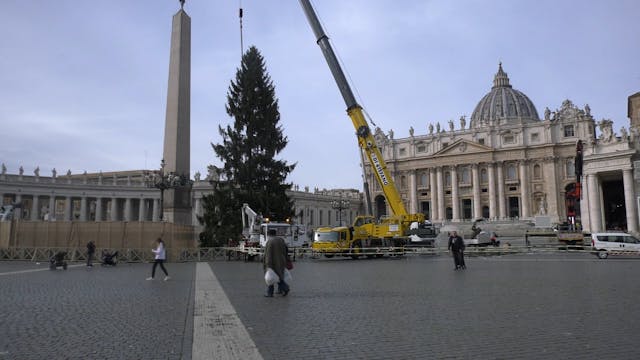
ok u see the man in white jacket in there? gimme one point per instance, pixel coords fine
(161, 256)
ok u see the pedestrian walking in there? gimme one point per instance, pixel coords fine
(456, 245)
(275, 258)
(161, 256)
(91, 250)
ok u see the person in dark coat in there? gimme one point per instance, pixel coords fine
(456, 245)
(275, 257)
(91, 250)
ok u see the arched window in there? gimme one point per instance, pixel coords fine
(537, 172)
(485, 212)
(381, 206)
(403, 182)
(484, 176)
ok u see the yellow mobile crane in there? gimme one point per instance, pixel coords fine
(366, 232)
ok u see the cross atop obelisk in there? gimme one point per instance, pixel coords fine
(177, 202)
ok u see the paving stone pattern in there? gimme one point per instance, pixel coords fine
(567, 306)
(97, 313)
(571, 306)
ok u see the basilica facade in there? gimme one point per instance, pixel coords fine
(506, 162)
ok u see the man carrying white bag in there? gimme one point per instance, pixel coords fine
(274, 264)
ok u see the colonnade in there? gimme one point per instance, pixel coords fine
(490, 192)
(84, 208)
(592, 213)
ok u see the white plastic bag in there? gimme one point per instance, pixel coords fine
(287, 276)
(270, 277)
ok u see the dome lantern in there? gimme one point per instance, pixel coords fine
(501, 79)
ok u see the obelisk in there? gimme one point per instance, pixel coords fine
(177, 201)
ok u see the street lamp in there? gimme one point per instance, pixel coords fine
(159, 180)
(340, 205)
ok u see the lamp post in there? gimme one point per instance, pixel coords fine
(161, 181)
(340, 205)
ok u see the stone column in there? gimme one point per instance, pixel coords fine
(434, 194)
(67, 208)
(413, 193)
(441, 212)
(502, 211)
(524, 194)
(142, 210)
(114, 209)
(630, 200)
(594, 203)
(455, 201)
(127, 209)
(52, 207)
(554, 200)
(198, 211)
(18, 212)
(99, 215)
(477, 206)
(492, 191)
(34, 208)
(83, 208)
(156, 210)
(584, 204)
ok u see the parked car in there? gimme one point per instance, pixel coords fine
(614, 243)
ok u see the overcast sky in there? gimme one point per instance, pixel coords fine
(84, 83)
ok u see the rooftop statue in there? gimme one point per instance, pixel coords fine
(624, 136)
(606, 130)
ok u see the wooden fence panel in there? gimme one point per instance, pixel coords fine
(116, 235)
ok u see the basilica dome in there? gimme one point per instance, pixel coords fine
(503, 105)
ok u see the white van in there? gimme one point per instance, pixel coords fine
(614, 243)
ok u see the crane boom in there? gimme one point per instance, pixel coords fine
(366, 140)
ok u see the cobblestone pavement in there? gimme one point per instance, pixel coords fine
(95, 313)
(566, 306)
